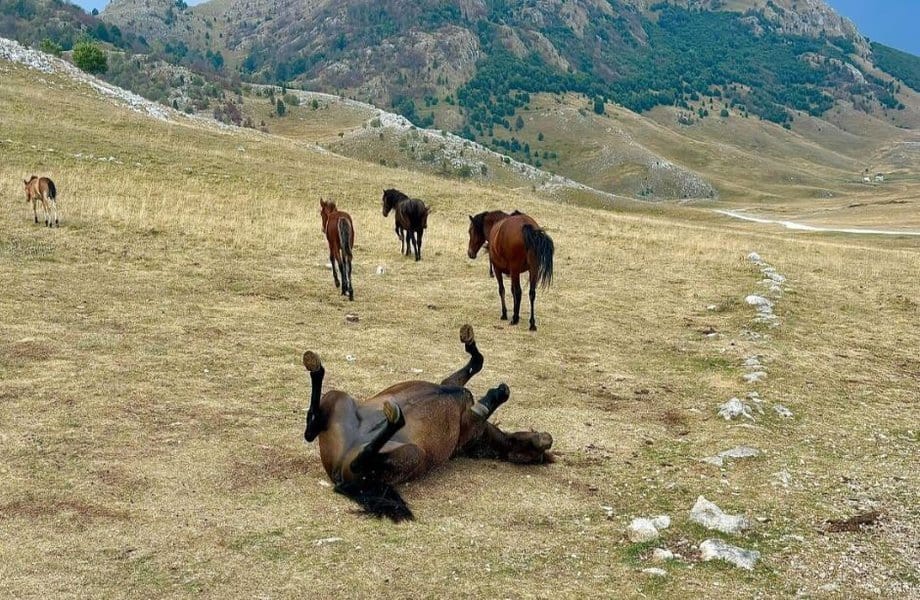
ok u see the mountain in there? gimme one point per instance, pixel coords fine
(552, 83)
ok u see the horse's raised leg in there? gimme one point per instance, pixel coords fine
(461, 377)
(368, 457)
(334, 263)
(501, 294)
(475, 418)
(516, 294)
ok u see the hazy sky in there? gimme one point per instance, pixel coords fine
(891, 22)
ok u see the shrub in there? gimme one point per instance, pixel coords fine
(49, 46)
(89, 57)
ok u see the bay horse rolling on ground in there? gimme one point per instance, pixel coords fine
(516, 244)
(408, 429)
(42, 189)
(411, 220)
(340, 235)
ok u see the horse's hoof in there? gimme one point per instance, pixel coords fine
(311, 361)
(533, 327)
(515, 321)
(394, 414)
(504, 317)
(504, 392)
(466, 334)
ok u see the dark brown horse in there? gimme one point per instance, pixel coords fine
(408, 429)
(411, 217)
(516, 244)
(340, 235)
(42, 189)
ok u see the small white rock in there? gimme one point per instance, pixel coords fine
(714, 549)
(642, 530)
(755, 377)
(381, 270)
(655, 572)
(782, 411)
(662, 555)
(711, 516)
(661, 522)
(735, 408)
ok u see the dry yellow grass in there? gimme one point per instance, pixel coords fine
(151, 396)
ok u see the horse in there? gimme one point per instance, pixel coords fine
(42, 188)
(516, 244)
(407, 430)
(411, 217)
(340, 235)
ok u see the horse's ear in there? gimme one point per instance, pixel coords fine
(471, 218)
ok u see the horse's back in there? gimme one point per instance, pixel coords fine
(506, 242)
(413, 213)
(433, 414)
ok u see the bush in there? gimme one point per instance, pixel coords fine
(89, 57)
(49, 46)
(280, 108)
(291, 100)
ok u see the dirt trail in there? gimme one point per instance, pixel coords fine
(813, 228)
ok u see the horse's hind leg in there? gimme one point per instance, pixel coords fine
(418, 245)
(522, 447)
(351, 289)
(35, 209)
(461, 377)
(368, 457)
(343, 272)
(334, 264)
(533, 297)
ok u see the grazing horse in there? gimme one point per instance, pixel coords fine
(408, 429)
(340, 235)
(411, 218)
(516, 244)
(42, 188)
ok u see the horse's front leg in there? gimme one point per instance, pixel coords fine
(462, 376)
(516, 294)
(501, 293)
(35, 209)
(474, 419)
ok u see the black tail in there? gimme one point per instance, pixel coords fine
(345, 237)
(540, 246)
(52, 191)
(378, 499)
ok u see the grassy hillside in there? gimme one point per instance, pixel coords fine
(151, 396)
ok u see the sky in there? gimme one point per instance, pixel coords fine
(894, 23)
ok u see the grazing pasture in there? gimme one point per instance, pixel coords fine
(152, 394)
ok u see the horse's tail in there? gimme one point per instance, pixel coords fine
(378, 499)
(52, 191)
(345, 237)
(540, 252)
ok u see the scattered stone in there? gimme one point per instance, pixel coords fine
(655, 572)
(782, 411)
(759, 302)
(735, 408)
(662, 555)
(755, 377)
(735, 453)
(661, 522)
(642, 530)
(381, 270)
(753, 362)
(711, 516)
(329, 540)
(755, 258)
(715, 549)
(352, 318)
(712, 307)
(783, 478)
(350, 358)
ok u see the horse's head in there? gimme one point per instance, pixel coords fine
(26, 184)
(529, 448)
(388, 202)
(477, 234)
(326, 209)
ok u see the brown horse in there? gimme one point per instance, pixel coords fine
(408, 429)
(411, 217)
(42, 188)
(340, 235)
(516, 244)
